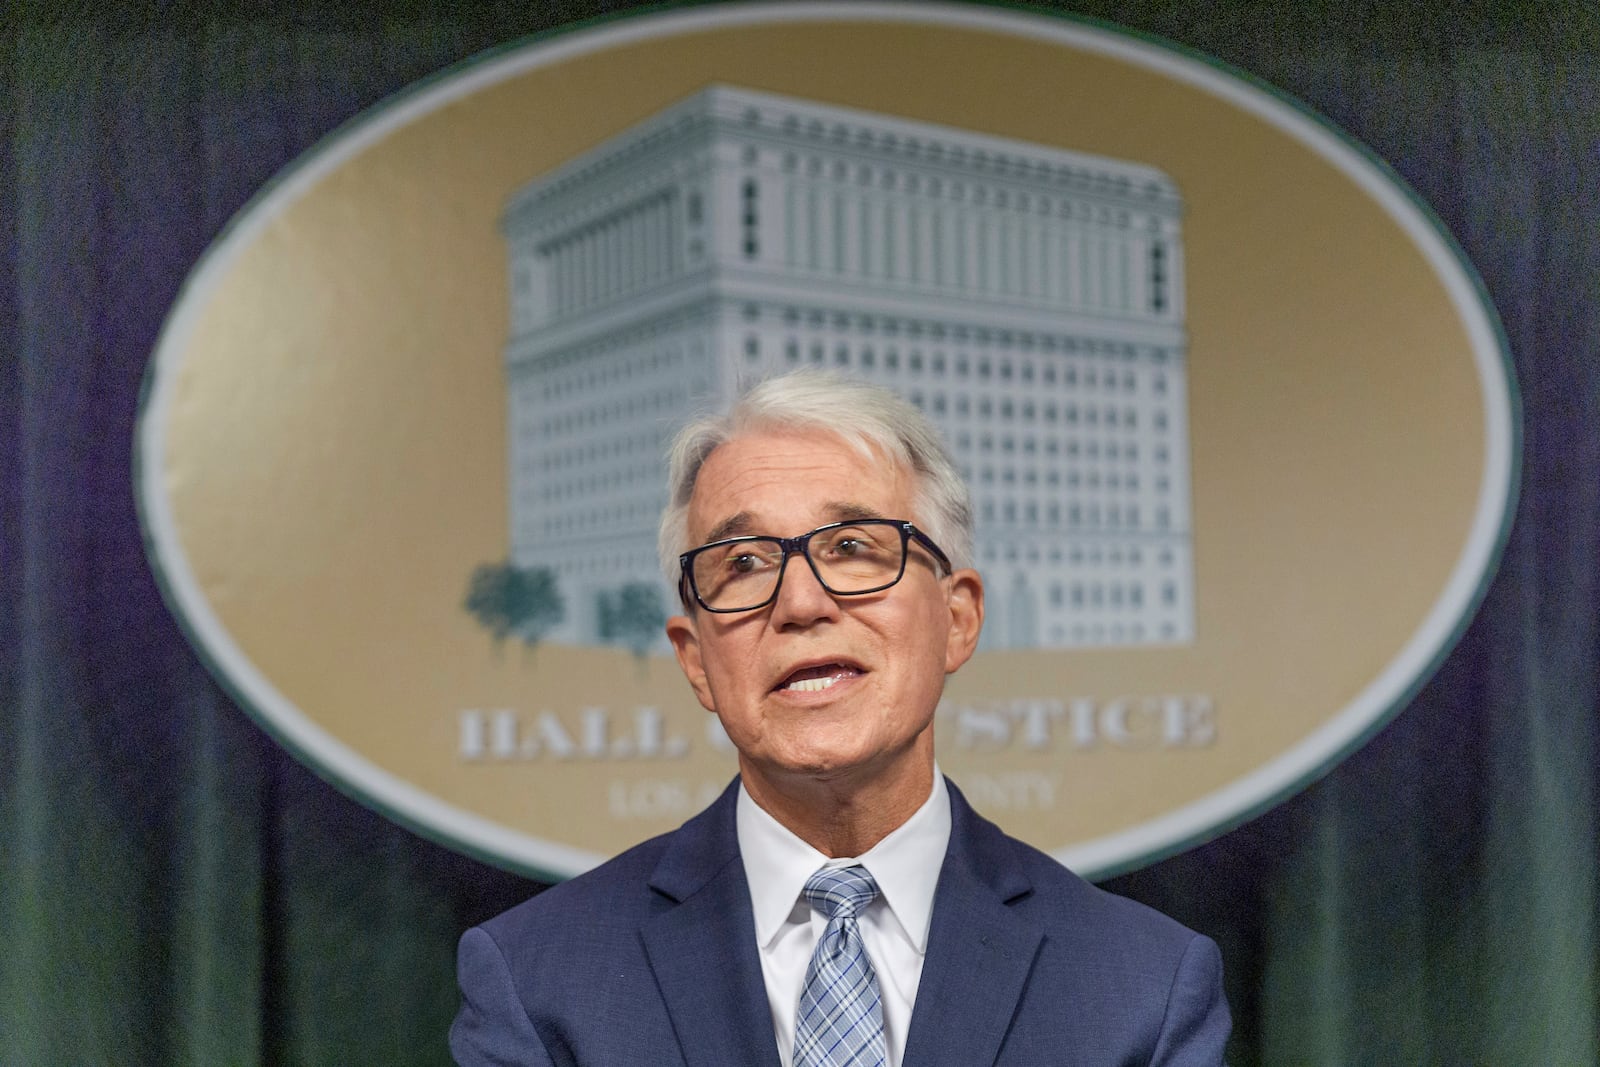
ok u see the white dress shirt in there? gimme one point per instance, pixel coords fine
(894, 927)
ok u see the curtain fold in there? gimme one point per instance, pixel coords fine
(174, 889)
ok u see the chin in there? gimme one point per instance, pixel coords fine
(812, 764)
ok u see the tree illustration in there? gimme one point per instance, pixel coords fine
(512, 601)
(632, 616)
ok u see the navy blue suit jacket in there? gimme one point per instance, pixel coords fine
(651, 959)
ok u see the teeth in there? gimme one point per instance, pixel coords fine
(810, 685)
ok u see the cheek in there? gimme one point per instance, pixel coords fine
(728, 671)
(933, 635)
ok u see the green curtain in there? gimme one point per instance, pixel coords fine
(175, 890)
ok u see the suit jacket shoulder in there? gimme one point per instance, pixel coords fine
(648, 959)
(1029, 964)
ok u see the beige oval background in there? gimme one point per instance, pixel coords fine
(323, 445)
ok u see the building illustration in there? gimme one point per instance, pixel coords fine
(1028, 299)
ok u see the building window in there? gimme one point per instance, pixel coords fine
(752, 245)
(1158, 277)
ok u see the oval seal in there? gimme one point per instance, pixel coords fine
(1236, 414)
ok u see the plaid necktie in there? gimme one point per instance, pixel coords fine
(840, 1022)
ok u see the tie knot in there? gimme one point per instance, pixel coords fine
(841, 891)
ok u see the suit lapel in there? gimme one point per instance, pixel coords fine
(979, 950)
(702, 946)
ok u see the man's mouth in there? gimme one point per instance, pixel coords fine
(816, 678)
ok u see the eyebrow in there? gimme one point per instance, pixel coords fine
(737, 525)
(742, 524)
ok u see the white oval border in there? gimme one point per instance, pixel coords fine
(1100, 857)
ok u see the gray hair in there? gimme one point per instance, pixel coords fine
(876, 422)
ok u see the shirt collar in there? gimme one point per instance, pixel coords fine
(905, 864)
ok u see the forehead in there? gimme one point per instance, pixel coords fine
(788, 481)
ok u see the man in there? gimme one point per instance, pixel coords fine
(841, 903)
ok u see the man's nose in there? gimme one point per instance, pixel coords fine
(801, 598)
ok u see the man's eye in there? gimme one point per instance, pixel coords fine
(743, 563)
(848, 547)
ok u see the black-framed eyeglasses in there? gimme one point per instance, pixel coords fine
(848, 558)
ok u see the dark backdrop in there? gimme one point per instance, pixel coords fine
(174, 889)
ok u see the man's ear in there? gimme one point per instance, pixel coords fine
(966, 619)
(685, 638)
